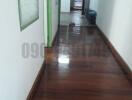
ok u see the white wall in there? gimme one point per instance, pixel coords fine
(93, 4)
(17, 74)
(54, 17)
(115, 20)
(65, 5)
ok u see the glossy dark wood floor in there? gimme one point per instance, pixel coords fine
(81, 67)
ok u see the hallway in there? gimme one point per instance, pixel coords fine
(81, 67)
(74, 17)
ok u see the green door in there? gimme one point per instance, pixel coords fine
(49, 22)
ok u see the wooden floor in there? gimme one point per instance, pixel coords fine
(81, 67)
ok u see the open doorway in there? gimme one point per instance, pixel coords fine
(71, 12)
(76, 5)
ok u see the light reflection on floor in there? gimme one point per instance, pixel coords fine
(63, 59)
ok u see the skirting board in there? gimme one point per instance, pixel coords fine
(126, 69)
(37, 81)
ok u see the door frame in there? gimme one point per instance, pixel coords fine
(49, 23)
(59, 11)
(49, 20)
(83, 7)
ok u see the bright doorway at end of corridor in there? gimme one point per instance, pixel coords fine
(76, 4)
(73, 13)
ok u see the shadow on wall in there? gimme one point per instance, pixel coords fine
(115, 20)
(129, 38)
(121, 29)
(108, 12)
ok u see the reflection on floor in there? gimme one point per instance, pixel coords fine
(81, 67)
(74, 17)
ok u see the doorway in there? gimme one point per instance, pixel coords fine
(75, 15)
(76, 5)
